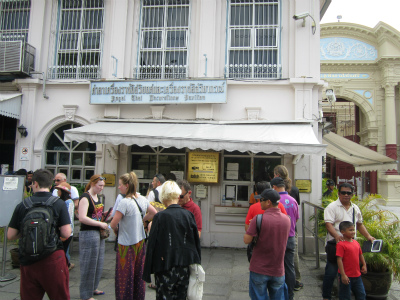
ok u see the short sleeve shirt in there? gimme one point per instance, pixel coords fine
(196, 211)
(335, 213)
(131, 229)
(350, 253)
(292, 209)
(256, 209)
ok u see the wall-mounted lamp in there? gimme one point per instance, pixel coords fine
(22, 130)
(303, 17)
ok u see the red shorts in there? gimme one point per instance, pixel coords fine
(50, 276)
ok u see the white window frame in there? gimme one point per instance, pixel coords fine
(78, 70)
(7, 17)
(162, 70)
(267, 69)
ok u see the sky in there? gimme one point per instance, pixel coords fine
(364, 12)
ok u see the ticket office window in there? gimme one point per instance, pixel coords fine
(242, 170)
(147, 161)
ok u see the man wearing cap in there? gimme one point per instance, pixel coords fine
(61, 177)
(330, 184)
(292, 209)
(256, 209)
(267, 271)
(157, 183)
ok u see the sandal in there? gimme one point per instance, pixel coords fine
(152, 286)
(97, 293)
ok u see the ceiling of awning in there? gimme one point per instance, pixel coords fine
(362, 158)
(268, 138)
(10, 105)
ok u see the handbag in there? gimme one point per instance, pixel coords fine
(196, 280)
(254, 241)
(104, 233)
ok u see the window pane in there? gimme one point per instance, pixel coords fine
(93, 19)
(90, 59)
(85, 146)
(94, 3)
(88, 174)
(63, 159)
(67, 59)
(242, 193)
(244, 164)
(176, 39)
(70, 19)
(69, 41)
(71, 3)
(240, 57)
(54, 143)
(264, 168)
(178, 17)
(153, 17)
(77, 159)
(152, 39)
(76, 174)
(266, 57)
(90, 159)
(91, 40)
(51, 158)
(62, 170)
(153, 58)
(266, 37)
(175, 58)
(266, 14)
(168, 163)
(144, 162)
(240, 37)
(241, 15)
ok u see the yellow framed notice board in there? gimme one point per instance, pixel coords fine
(203, 167)
(304, 185)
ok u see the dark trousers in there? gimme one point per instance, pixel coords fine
(331, 271)
(356, 286)
(290, 275)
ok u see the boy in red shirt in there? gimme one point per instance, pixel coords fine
(349, 255)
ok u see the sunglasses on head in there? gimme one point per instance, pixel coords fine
(182, 196)
(346, 193)
(100, 178)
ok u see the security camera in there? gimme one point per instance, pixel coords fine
(301, 16)
(330, 95)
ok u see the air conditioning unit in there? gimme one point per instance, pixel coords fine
(17, 59)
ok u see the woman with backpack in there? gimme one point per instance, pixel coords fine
(130, 214)
(91, 247)
(64, 192)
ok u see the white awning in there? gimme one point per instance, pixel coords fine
(281, 138)
(10, 105)
(361, 157)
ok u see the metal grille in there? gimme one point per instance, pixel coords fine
(253, 39)
(79, 40)
(164, 39)
(14, 20)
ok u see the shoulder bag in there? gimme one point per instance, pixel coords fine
(196, 280)
(104, 233)
(254, 241)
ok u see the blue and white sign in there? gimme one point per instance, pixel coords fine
(344, 76)
(158, 92)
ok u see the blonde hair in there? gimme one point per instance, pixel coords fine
(283, 173)
(170, 191)
(131, 180)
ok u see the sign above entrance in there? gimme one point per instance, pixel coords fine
(158, 92)
(344, 76)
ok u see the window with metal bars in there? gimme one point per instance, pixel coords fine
(253, 39)
(79, 40)
(164, 39)
(14, 20)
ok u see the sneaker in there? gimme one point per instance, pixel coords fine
(71, 266)
(299, 285)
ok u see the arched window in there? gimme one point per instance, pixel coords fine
(76, 160)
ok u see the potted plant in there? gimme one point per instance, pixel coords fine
(385, 265)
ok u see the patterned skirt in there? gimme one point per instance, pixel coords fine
(128, 272)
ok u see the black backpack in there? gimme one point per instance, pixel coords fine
(38, 230)
(254, 241)
(156, 199)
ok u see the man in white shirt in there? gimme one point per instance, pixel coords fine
(61, 177)
(157, 183)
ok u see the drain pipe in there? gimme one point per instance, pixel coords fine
(44, 83)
